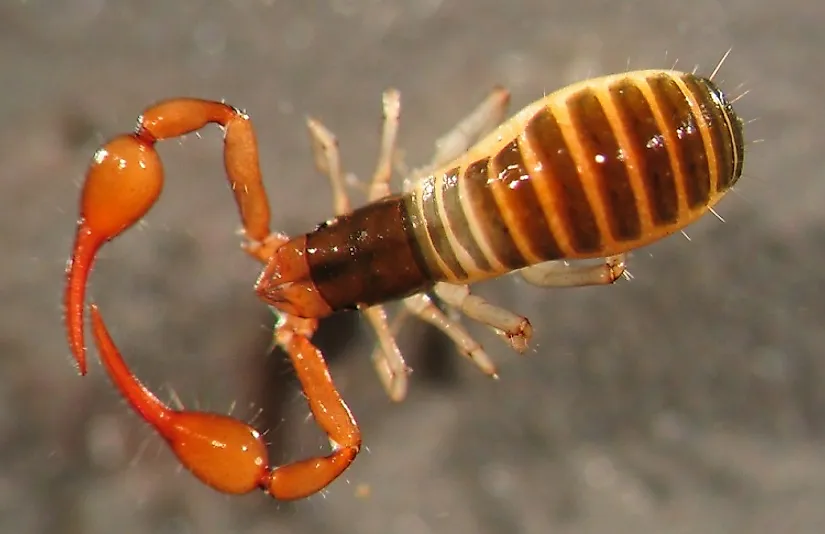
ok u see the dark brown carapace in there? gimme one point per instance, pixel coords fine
(594, 170)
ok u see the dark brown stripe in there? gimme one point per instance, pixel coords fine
(733, 130)
(513, 187)
(365, 257)
(458, 223)
(562, 178)
(722, 123)
(422, 251)
(437, 232)
(690, 147)
(736, 129)
(476, 185)
(713, 122)
(598, 141)
(647, 146)
(738, 142)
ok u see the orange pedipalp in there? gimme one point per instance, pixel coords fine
(141, 399)
(77, 272)
(222, 452)
(124, 179)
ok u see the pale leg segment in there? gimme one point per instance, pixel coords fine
(512, 328)
(387, 358)
(389, 363)
(516, 330)
(482, 120)
(328, 161)
(562, 274)
(458, 140)
(422, 307)
(380, 186)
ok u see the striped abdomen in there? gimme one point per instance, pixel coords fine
(593, 170)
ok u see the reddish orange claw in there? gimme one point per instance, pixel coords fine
(125, 179)
(224, 453)
(123, 182)
(229, 455)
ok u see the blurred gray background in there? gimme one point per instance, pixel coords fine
(689, 399)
